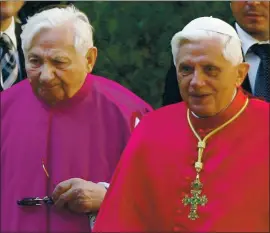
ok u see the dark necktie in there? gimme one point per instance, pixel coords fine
(8, 63)
(262, 82)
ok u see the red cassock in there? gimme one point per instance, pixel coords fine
(157, 168)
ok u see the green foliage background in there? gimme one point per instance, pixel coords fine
(133, 39)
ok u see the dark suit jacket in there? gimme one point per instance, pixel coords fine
(171, 93)
(22, 72)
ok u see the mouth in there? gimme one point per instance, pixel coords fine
(50, 86)
(200, 98)
(253, 15)
(200, 95)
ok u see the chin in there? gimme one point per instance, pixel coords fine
(50, 98)
(204, 114)
(254, 26)
(202, 111)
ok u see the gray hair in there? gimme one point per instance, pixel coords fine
(83, 31)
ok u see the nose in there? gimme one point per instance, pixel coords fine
(198, 79)
(253, 2)
(46, 74)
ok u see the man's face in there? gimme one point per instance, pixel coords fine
(206, 80)
(9, 8)
(55, 69)
(253, 17)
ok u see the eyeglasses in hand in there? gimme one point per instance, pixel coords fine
(35, 201)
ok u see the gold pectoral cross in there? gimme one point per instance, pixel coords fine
(195, 199)
(196, 187)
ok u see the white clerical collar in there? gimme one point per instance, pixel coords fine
(10, 31)
(247, 40)
(235, 92)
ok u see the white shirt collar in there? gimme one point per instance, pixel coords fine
(247, 40)
(10, 31)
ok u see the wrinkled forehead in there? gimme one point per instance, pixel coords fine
(55, 39)
(196, 50)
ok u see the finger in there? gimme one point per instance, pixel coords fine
(77, 206)
(82, 203)
(60, 189)
(87, 200)
(64, 198)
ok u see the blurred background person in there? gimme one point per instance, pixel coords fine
(252, 26)
(11, 56)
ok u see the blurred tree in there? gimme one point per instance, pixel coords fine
(133, 39)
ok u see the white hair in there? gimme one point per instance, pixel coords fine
(83, 31)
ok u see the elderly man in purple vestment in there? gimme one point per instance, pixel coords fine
(66, 131)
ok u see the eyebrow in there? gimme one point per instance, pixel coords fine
(60, 57)
(185, 63)
(32, 55)
(188, 62)
(54, 56)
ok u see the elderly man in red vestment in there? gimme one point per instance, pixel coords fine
(63, 129)
(201, 165)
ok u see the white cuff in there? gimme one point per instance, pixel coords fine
(106, 185)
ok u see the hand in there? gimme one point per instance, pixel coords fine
(78, 195)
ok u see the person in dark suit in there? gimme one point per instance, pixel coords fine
(252, 26)
(11, 55)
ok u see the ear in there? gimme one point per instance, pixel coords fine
(241, 73)
(91, 57)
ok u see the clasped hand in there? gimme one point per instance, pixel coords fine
(78, 195)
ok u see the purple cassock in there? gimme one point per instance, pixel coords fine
(82, 137)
